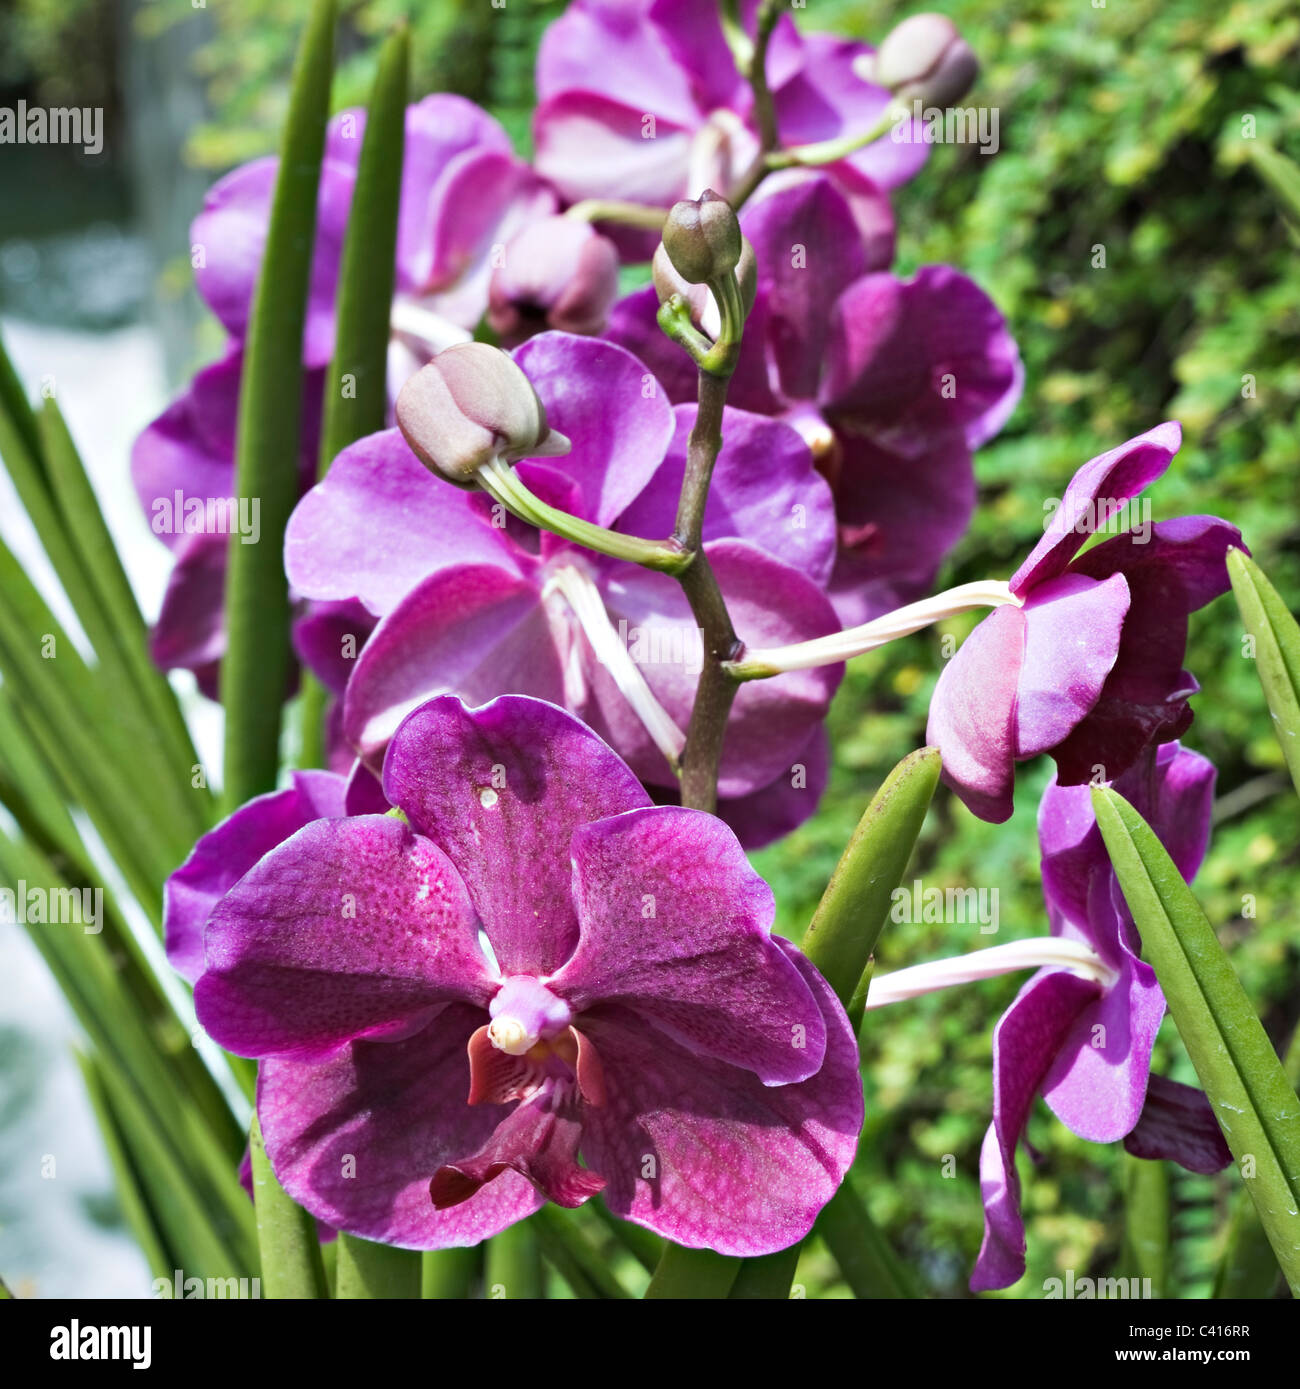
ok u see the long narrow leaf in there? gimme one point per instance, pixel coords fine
(1255, 1104)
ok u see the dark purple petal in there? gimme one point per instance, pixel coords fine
(476, 631)
(780, 807)
(707, 1155)
(1178, 1123)
(1025, 1042)
(911, 361)
(226, 853)
(676, 925)
(899, 515)
(632, 324)
(619, 421)
(329, 638)
(1095, 493)
(973, 711)
(539, 1141)
(502, 789)
(379, 523)
(1072, 638)
(356, 1137)
(351, 928)
(190, 633)
(764, 490)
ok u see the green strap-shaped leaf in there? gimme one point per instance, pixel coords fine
(255, 671)
(356, 397)
(1256, 1107)
(1277, 651)
(1146, 1222)
(286, 1234)
(568, 1250)
(450, 1274)
(368, 1270)
(514, 1264)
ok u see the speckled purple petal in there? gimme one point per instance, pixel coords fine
(703, 1152)
(597, 395)
(476, 631)
(973, 710)
(1072, 637)
(1024, 1042)
(350, 928)
(223, 855)
(1178, 1123)
(676, 925)
(356, 1137)
(1094, 494)
(780, 807)
(501, 789)
(378, 523)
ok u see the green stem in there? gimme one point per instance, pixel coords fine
(255, 671)
(699, 1274)
(286, 1234)
(368, 1270)
(1146, 1221)
(514, 1265)
(574, 1257)
(868, 1264)
(450, 1274)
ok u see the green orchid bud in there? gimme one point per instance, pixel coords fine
(701, 238)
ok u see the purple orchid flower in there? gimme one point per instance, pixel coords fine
(1084, 1043)
(641, 100)
(533, 962)
(892, 382)
(471, 602)
(463, 192)
(1086, 662)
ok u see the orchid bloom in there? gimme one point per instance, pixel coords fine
(463, 192)
(471, 602)
(1082, 1037)
(893, 383)
(1086, 662)
(642, 101)
(531, 963)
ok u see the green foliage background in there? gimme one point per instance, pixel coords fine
(1141, 128)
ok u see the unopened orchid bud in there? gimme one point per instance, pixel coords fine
(925, 59)
(701, 238)
(472, 404)
(668, 282)
(557, 273)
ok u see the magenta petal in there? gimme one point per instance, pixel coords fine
(590, 146)
(190, 633)
(676, 925)
(539, 1141)
(1072, 636)
(501, 789)
(1095, 493)
(596, 394)
(1024, 1043)
(356, 1138)
(1098, 1080)
(232, 229)
(189, 448)
(351, 928)
(765, 490)
(707, 1155)
(920, 359)
(633, 325)
(808, 248)
(226, 853)
(438, 129)
(475, 630)
(378, 523)
(1178, 1123)
(973, 711)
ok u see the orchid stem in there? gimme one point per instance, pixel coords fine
(450, 1274)
(367, 1270)
(286, 1234)
(514, 1265)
